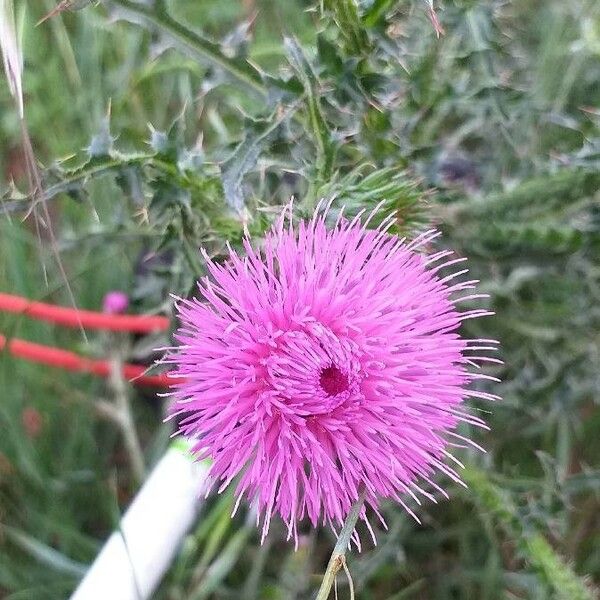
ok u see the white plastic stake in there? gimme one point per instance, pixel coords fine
(133, 561)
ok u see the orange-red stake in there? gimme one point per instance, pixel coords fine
(72, 317)
(63, 359)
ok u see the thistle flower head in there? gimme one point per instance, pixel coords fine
(325, 361)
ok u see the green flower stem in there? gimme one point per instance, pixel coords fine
(338, 556)
(125, 420)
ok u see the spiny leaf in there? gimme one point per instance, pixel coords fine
(508, 239)
(540, 194)
(565, 583)
(557, 573)
(102, 142)
(191, 41)
(318, 124)
(376, 12)
(391, 190)
(345, 15)
(244, 157)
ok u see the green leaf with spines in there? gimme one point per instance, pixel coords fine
(390, 190)
(246, 154)
(346, 17)
(539, 195)
(191, 41)
(321, 133)
(540, 555)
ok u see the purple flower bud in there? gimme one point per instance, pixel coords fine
(115, 302)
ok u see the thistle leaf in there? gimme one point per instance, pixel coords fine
(244, 157)
(318, 125)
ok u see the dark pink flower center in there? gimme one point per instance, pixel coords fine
(333, 381)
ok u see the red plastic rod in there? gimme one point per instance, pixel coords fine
(72, 317)
(63, 359)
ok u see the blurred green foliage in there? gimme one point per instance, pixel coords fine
(164, 127)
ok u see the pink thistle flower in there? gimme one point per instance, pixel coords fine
(327, 361)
